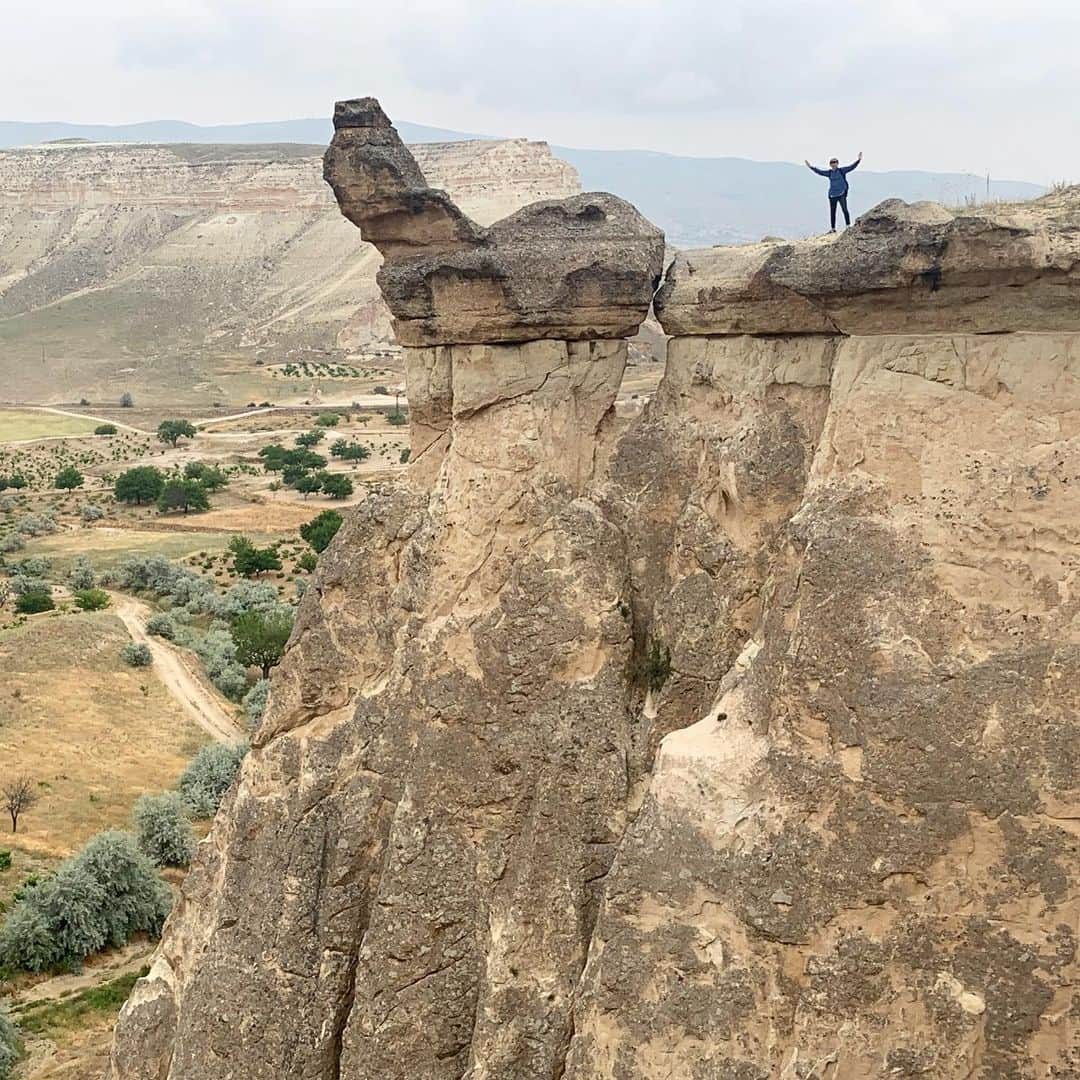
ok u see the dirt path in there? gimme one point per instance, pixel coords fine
(86, 416)
(171, 667)
(96, 970)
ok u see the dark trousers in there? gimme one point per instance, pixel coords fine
(842, 200)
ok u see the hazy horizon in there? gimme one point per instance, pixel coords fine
(918, 86)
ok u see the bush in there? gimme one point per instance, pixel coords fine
(397, 418)
(5, 859)
(327, 419)
(99, 898)
(91, 512)
(35, 600)
(163, 830)
(255, 702)
(137, 655)
(319, 531)
(105, 429)
(209, 776)
(11, 543)
(36, 524)
(307, 562)
(9, 1044)
(81, 575)
(161, 625)
(404, 457)
(93, 600)
(126, 401)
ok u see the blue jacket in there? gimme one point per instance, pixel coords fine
(838, 185)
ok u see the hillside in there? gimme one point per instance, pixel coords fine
(182, 272)
(695, 200)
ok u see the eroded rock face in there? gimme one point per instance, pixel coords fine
(573, 269)
(739, 742)
(917, 268)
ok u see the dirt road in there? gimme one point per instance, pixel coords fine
(171, 667)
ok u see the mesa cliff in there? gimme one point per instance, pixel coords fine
(732, 742)
(171, 270)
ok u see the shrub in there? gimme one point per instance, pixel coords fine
(36, 524)
(34, 601)
(249, 560)
(11, 543)
(92, 600)
(68, 478)
(319, 531)
(105, 429)
(101, 897)
(404, 457)
(137, 655)
(654, 667)
(327, 419)
(91, 512)
(9, 1044)
(35, 566)
(126, 401)
(231, 680)
(307, 562)
(255, 702)
(81, 575)
(397, 418)
(5, 860)
(161, 625)
(163, 830)
(209, 776)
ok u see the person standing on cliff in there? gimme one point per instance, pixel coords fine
(838, 186)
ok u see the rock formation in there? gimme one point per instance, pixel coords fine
(735, 743)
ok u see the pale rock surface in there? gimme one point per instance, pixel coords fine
(918, 268)
(481, 836)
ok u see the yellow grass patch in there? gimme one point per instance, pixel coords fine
(30, 424)
(94, 733)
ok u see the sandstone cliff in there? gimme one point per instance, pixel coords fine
(739, 742)
(166, 267)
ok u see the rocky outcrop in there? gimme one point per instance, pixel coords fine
(919, 268)
(575, 269)
(737, 742)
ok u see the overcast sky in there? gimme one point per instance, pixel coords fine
(923, 84)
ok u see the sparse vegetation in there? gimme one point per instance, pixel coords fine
(19, 796)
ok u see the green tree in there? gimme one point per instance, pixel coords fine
(308, 483)
(320, 530)
(338, 486)
(105, 429)
(172, 431)
(17, 481)
(349, 451)
(404, 457)
(140, 485)
(210, 476)
(35, 600)
(397, 418)
(310, 438)
(248, 560)
(91, 599)
(307, 562)
(183, 495)
(260, 637)
(68, 478)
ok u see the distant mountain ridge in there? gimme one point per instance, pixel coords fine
(697, 201)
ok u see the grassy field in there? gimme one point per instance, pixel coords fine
(92, 732)
(109, 546)
(18, 424)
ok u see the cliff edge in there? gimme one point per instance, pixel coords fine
(736, 742)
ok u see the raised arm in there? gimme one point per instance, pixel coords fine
(814, 168)
(854, 165)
